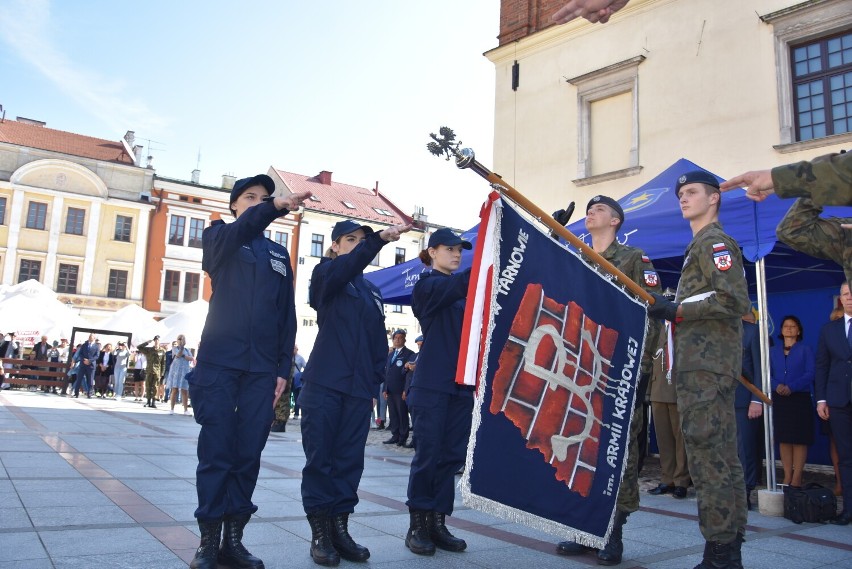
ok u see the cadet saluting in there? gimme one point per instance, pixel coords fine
(344, 372)
(711, 298)
(246, 344)
(441, 409)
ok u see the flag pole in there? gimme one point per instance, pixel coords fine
(446, 145)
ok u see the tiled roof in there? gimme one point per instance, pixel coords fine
(34, 136)
(364, 202)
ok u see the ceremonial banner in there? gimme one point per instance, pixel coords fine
(555, 349)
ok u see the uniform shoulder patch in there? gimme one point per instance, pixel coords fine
(651, 278)
(721, 256)
(645, 259)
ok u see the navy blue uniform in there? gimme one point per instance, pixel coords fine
(342, 377)
(440, 408)
(246, 344)
(395, 373)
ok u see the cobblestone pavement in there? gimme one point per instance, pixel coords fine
(93, 483)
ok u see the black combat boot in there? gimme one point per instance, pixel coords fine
(737, 550)
(417, 539)
(207, 553)
(322, 550)
(441, 536)
(716, 556)
(572, 548)
(233, 552)
(343, 542)
(614, 548)
(278, 427)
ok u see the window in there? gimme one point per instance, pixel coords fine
(399, 258)
(2, 211)
(281, 238)
(117, 286)
(267, 233)
(30, 269)
(375, 261)
(176, 227)
(822, 86)
(191, 283)
(315, 198)
(381, 211)
(813, 61)
(171, 286)
(67, 281)
(196, 228)
(396, 308)
(317, 241)
(349, 205)
(36, 215)
(74, 221)
(123, 225)
(608, 149)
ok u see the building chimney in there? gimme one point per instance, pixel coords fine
(376, 189)
(137, 154)
(150, 162)
(324, 178)
(130, 137)
(228, 181)
(196, 175)
(32, 122)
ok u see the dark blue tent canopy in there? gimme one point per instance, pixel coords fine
(653, 222)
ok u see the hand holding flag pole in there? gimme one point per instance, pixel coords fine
(445, 144)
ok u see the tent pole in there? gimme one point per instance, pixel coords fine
(763, 322)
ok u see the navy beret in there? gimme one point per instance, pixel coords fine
(348, 226)
(245, 183)
(696, 177)
(607, 201)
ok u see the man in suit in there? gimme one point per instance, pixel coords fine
(395, 372)
(747, 406)
(833, 387)
(41, 350)
(9, 349)
(86, 355)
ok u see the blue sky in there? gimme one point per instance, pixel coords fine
(350, 87)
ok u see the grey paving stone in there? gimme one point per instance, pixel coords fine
(54, 497)
(44, 563)
(796, 549)
(136, 560)
(83, 542)
(20, 546)
(14, 517)
(78, 515)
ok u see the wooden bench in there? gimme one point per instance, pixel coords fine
(43, 374)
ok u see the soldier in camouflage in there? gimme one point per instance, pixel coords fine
(156, 357)
(712, 296)
(827, 180)
(604, 217)
(804, 230)
(282, 407)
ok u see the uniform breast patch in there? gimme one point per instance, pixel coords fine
(651, 278)
(278, 266)
(721, 257)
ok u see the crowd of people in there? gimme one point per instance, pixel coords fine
(105, 371)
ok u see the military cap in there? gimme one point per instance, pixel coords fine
(446, 237)
(245, 183)
(346, 227)
(607, 201)
(696, 177)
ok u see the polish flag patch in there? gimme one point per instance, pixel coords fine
(721, 257)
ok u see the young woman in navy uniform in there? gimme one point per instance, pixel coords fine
(339, 382)
(441, 409)
(244, 357)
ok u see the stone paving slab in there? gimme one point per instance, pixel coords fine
(109, 484)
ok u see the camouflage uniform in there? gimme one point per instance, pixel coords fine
(635, 264)
(804, 230)
(674, 471)
(827, 180)
(282, 408)
(156, 357)
(708, 355)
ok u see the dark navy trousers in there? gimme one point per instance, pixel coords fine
(334, 433)
(234, 409)
(747, 446)
(442, 423)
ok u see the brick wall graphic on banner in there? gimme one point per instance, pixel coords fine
(551, 383)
